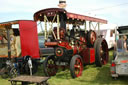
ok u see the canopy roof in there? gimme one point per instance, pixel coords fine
(11, 22)
(50, 12)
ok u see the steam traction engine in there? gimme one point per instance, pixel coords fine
(72, 47)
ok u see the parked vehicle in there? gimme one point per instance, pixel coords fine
(18, 39)
(119, 65)
(108, 32)
(43, 50)
(109, 36)
(72, 48)
(41, 41)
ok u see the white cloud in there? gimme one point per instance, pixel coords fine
(25, 8)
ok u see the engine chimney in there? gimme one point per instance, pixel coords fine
(62, 4)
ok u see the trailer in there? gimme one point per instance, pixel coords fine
(18, 40)
(119, 65)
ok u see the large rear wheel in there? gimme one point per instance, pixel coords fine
(76, 66)
(101, 52)
(49, 66)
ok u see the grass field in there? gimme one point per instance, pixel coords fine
(92, 75)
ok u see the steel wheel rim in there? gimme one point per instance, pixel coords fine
(103, 52)
(78, 67)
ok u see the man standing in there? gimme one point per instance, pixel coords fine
(121, 44)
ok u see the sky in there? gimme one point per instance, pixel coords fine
(114, 11)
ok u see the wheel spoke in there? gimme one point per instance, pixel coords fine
(78, 67)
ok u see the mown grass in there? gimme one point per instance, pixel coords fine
(92, 75)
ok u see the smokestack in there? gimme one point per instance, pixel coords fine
(62, 4)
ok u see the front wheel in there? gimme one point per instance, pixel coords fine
(76, 66)
(49, 66)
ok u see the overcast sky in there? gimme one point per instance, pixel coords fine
(115, 11)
